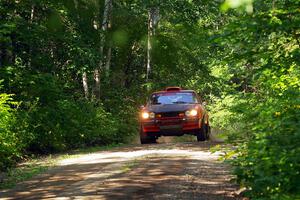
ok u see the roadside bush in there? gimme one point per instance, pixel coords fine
(69, 124)
(261, 74)
(123, 109)
(127, 127)
(266, 130)
(54, 121)
(9, 143)
(224, 117)
(268, 164)
(50, 120)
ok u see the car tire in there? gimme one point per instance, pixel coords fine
(144, 141)
(201, 134)
(200, 137)
(207, 131)
(147, 140)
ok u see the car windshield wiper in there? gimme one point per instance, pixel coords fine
(179, 102)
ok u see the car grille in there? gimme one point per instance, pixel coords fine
(170, 114)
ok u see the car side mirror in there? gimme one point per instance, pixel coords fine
(204, 103)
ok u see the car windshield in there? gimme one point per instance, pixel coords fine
(173, 98)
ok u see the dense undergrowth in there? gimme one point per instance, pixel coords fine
(9, 145)
(49, 126)
(259, 106)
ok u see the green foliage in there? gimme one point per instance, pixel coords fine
(259, 105)
(45, 47)
(246, 65)
(268, 163)
(238, 4)
(9, 144)
(72, 123)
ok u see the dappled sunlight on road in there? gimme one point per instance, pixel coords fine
(106, 157)
(158, 171)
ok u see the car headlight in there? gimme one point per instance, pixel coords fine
(191, 113)
(148, 115)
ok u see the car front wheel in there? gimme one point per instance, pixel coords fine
(147, 140)
(201, 135)
(207, 131)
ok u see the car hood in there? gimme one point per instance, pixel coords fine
(170, 108)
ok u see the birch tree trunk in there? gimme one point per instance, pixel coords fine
(108, 55)
(149, 47)
(153, 18)
(104, 27)
(85, 85)
(30, 47)
(108, 59)
(84, 74)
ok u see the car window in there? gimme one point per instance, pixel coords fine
(173, 98)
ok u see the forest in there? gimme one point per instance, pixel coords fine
(74, 73)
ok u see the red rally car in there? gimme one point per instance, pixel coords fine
(173, 112)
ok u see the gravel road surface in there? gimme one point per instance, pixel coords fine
(186, 170)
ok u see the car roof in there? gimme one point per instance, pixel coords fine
(174, 91)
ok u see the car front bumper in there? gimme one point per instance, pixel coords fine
(170, 126)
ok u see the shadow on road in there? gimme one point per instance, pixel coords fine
(158, 171)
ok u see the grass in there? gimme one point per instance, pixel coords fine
(32, 167)
(25, 171)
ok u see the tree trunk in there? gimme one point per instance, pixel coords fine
(149, 47)
(97, 84)
(84, 74)
(109, 24)
(30, 47)
(108, 59)
(104, 27)
(85, 85)
(153, 18)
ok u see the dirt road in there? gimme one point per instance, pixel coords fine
(157, 171)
